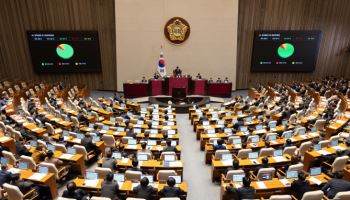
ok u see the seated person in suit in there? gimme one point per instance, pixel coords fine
(235, 166)
(300, 186)
(203, 118)
(199, 76)
(135, 164)
(335, 185)
(74, 193)
(144, 80)
(226, 80)
(109, 162)
(245, 192)
(39, 154)
(23, 186)
(88, 143)
(288, 143)
(143, 190)
(220, 145)
(219, 80)
(169, 147)
(21, 149)
(5, 176)
(110, 188)
(265, 164)
(144, 149)
(210, 80)
(170, 190)
(130, 132)
(50, 159)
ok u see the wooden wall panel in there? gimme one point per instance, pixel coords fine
(18, 16)
(332, 17)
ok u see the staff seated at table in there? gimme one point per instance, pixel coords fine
(219, 80)
(199, 76)
(143, 190)
(110, 188)
(144, 148)
(170, 190)
(50, 159)
(245, 192)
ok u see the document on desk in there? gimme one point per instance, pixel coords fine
(238, 146)
(175, 164)
(211, 135)
(76, 140)
(120, 184)
(279, 159)
(14, 170)
(3, 139)
(91, 183)
(226, 162)
(36, 129)
(314, 134)
(131, 146)
(166, 127)
(159, 148)
(323, 152)
(37, 176)
(285, 182)
(103, 131)
(66, 156)
(339, 121)
(125, 160)
(315, 180)
(261, 185)
(338, 148)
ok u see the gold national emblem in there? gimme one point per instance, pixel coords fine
(177, 30)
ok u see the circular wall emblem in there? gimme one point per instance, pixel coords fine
(177, 30)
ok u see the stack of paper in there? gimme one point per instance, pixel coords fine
(315, 180)
(159, 148)
(323, 152)
(279, 158)
(261, 185)
(91, 183)
(66, 156)
(76, 140)
(37, 176)
(338, 147)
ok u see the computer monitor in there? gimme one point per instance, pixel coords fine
(234, 121)
(96, 139)
(80, 136)
(153, 131)
(151, 142)
(211, 131)
(285, 122)
(171, 123)
(4, 161)
(228, 114)
(178, 179)
(292, 174)
(137, 130)
(155, 123)
(205, 123)
(255, 139)
(120, 129)
(239, 112)
(334, 143)
(140, 122)
(171, 132)
(243, 128)
(315, 171)
(23, 165)
(91, 175)
(142, 157)
(237, 141)
(238, 177)
(132, 142)
(317, 147)
(248, 119)
(278, 152)
(116, 155)
(112, 119)
(253, 155)
(260, 116)
(220, 122)
(71, 150)
(65, 133)
(173, 143)
(169, 158)
(43, 170)
(288, 135)
(119, 177)
(105, 127)
(272, 137)
(226, 157)
(302, 132)
(227, 130)
(51, 147)
(272, 125)
(258, 127)
(214, 115)
(91, 125)
(149, 177)
(33, 143)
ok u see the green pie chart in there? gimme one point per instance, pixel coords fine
(285, 50)
(65, 51)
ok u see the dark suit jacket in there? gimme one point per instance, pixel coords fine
(171, 191)
(243, 192)
(110, 189)
(144, 192)
(87, 143)
(219, 147)
(169, 148)
(299, 187)
(334, 186)
(5, 177)
(109, 163)
(78, 194)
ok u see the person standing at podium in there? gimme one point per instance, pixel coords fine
(177, 72)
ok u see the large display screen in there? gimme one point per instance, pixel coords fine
(64, 51)
(285, 51)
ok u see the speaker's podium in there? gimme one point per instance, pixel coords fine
(179, 93)
(177, 82)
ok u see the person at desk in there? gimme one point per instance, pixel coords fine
(335, 185)
(5, 176)
(4, 100)
(110, 188)
(245, 192)
(74, 193)
(21, 149)
(143, 190)
(39, 154)
(135, 167)
(144, 148)
(50, 159)
(144, 80)
(226, 80)
(88, 143)
(219, 80)
(203, 118)
(109, 162)
(199, 76)
(264, 164)
(170, 190)
(155, 76)
(235, 166)
(220, 145)
(300, 186)
(168, 147)
(23, 186)
(210, 80)
(177, 72)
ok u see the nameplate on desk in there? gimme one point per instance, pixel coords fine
(37, 176)
(91, 183)
(279, 159)
(261, 185)
(315, 180)
(323, 152)
(66, 156)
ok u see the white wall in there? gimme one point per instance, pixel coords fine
(210, 49)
